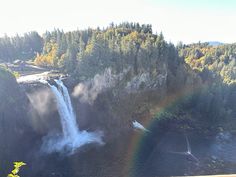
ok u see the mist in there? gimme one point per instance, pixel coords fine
(89, 90)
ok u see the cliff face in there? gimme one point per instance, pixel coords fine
(110, 102)
(43, 112)
(15, 131)
(13, 103)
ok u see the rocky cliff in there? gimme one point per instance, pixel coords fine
(15, 131)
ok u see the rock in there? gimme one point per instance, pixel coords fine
(16, 133)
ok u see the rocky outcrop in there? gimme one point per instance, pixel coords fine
(15, 131)
(43, 111)
(14, 105)
(110, 102)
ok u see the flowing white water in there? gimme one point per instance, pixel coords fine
(72, 138)
(137, 125)
(32, 77)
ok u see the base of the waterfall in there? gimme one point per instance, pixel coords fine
(69, 145)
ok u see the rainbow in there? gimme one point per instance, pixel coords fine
(137, 140)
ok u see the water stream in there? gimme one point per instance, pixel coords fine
(71, 138)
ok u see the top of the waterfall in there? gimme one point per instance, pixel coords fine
(33, 78)
(40, 77)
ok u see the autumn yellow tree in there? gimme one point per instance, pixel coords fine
(48, 59)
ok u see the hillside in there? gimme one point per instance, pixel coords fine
(217, 59)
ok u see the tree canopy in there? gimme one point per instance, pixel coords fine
(218, 59)
(20, 47)
(90, 51)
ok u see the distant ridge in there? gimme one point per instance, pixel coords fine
(215, 43)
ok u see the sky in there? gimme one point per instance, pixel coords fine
(179, 20)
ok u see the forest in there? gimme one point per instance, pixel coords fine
(218, 59)
(116, 46)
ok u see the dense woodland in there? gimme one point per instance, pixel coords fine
(218, 59)
(116, 46)
(20, 47)
(216, 65)
(91, 51)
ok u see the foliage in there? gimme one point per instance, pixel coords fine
(48, 58)
(15, 171)
(4, 72)
(16, 74)
(20, 47)
(219, 59)
(88, 52)
(206, 109)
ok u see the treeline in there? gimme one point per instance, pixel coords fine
(20, 47)
(218, 59)
(118, 46)
(88, 52)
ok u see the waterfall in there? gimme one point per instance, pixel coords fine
(71, 138)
